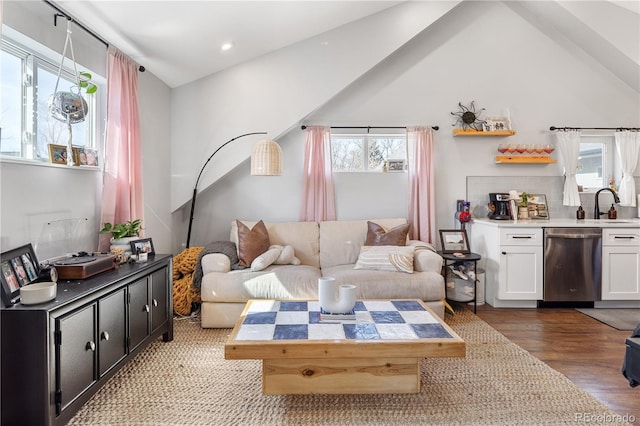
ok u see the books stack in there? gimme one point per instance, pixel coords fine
(331, 317)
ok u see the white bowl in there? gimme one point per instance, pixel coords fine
(33, 294)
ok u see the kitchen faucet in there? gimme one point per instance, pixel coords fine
(616, 199)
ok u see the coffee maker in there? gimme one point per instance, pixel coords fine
(501, 203)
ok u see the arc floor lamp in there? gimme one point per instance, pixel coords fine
(266, 160)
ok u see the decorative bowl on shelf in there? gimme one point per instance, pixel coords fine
(32, 294)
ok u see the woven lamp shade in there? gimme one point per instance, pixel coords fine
(266, 159)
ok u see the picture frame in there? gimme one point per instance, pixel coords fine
(18, 267)
(144, 245)
(496, 124)
(537, 207)
(395, 165)
(454, 241)
(88, 157)
(58, 154)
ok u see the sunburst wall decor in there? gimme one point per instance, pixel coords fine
(468, 117)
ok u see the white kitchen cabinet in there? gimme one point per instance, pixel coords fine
(520, 276)
(513, 261)
(621, 264)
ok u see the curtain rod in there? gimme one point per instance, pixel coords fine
(62, 13)
(371, 127)
(594, 128)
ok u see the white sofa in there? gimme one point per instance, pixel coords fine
(329, 249)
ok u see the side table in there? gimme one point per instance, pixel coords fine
(450, 259)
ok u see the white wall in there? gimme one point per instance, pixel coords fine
(482, 51)
(57, 208)
(155, 133)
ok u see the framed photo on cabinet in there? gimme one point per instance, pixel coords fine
(454, 241)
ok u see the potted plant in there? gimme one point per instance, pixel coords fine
(122, 234)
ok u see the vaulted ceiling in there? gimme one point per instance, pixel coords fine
(180, 41)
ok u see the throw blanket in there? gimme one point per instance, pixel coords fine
(187, 273)
(227, 248)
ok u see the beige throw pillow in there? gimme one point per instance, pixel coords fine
(386, 258)
(378, 236)
(251, 242)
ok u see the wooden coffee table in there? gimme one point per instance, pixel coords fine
(379, 352)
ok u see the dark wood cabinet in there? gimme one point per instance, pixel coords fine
(56, 355)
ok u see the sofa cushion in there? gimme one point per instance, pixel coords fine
(425, 257)
(251, 242)
(386, 258)
(378, 236)
(340, 241)
(302, 236)
(265, 259)
(287, 256)
(389, 285)
(284, 282)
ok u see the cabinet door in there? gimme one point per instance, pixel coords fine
(620, 273)
(75, 355)
(139, 312)
(159, 299)
(112, 330)
(520, 274)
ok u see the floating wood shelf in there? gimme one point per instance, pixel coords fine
(461, 132)
(524, 159)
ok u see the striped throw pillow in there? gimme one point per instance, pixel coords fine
(386, 258)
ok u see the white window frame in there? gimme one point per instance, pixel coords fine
(608, 158)
(34, 57)
(366, 137)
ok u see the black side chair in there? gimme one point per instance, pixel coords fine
(631, 363)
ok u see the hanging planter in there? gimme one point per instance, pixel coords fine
(70, 107)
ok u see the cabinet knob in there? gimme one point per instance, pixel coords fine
(504, 252)
(146, 308)
(105, 335)
(155, 303)
(91, 346)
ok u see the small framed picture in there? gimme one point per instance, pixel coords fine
(88, 157)
(454, 241)
(144, 245)
(58, 154)
(19, 267)
(496, 124)
(395, 165)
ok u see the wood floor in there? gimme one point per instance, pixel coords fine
(585, 350)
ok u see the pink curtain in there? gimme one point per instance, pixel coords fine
(422, 213)
(318, 202)
(122, 198)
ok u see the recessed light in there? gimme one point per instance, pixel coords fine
(226, 46)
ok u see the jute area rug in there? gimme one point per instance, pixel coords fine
(188, 381)
(621, 319)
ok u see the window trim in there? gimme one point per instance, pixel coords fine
(365, 154)
(609, 158)
(35, 55)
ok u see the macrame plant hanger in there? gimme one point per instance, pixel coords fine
(68, 107)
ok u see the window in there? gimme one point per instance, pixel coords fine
(366, 152)
(595, 162)
(28, 79)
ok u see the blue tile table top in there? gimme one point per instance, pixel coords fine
(269, 320)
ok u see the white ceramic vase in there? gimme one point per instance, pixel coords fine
(336, 299)
(123, 243)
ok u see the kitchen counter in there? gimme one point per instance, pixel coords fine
(562, 223)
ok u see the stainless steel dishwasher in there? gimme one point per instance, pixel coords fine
(572, 264)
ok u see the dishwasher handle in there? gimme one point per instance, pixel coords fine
(574, 236)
